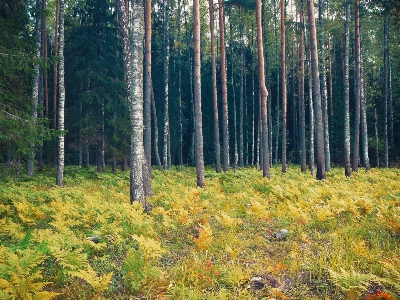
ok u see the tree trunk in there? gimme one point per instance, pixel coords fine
(235, 142)
(133, 66)
(364, 130)
(147, 88)
(311, 113)
(224, 94)
(166, 80)
(155, 129)
(55, 82)
(316, 93)
(277, 85)
(215, 93)
(253, 125)
(385, 86)
(303, 161)
(263, 93)
(198, 131)
(376, 137)
(30, 164)
(347, 168)
(241, 99)
(180, 160)
(61, 87)
(390, 104)
(357, 83)
(284, 92)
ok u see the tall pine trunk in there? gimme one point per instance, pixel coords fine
(364, 129)
(215, 93)
(241, 99)
(303, 160)
(61, 87)
(155, 129)
(198, 131)
(376, 137)
(347, 167)
(386, 86)
(284, 92)
(224, 92)
(263, 94)
(316, 93)
(147, 89)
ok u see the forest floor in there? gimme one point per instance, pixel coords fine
(240, 237)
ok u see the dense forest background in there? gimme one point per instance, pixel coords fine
(96, 110)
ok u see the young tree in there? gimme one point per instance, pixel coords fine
(166, 148)
(316, 92)
(214, 85)
(301, 94)
(198, 131)
(61, 104)
(263, 93)
(224, 94)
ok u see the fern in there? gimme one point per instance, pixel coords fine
(204, 240)
(392, 269)
(98, 283)
(151, 248)
(351, 282)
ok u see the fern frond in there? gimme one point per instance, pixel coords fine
(98, 283)
(204, 240)
(150, 247)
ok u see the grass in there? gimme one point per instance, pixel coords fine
(217, 242)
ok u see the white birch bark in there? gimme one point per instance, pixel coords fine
(61, 103)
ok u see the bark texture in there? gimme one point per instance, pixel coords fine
(316, 93)
(347, 168)
(224, 92)
(284, 90)
(198, 131)
(263, 93)
(303, 160)
(166, 81)
(61, 104)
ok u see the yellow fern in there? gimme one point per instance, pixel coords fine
(150, 247)
(205, 238)
(99, 283)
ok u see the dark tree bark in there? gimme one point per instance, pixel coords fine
(155, 129)
(215, 97)
(316, 93)
(357, 85)
(61, 87)
(263, 93)
(347, 167)
(284, 91)
(224, 94)
(198, 131)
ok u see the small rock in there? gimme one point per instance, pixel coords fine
(94, 239)
(281, 234)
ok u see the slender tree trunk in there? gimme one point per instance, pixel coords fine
(364, 129)
(324, 90)
(253, 145)
(284, 92)
(61, 86)
(356, 145)
(311, 113)
(235, 161)
(155, 128)
(30, 164)
(316, 93)
(166, 80)
(55, 82)
(376, 137)
(147, 87)
(303, 160)
(180, 160)
(385, 86)
(198, 131)
(241, 90)
(263, 92)
(347, 168)
(390, 104)
(215, 97)
(277, 85)
(224, 94)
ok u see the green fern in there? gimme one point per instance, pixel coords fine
(351, 282)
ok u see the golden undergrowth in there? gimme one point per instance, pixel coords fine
(85, 241)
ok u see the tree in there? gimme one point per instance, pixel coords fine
(166, 148)
(61, 104)
(347, 169)
(133, 66)
(263, 93)
(215, 94)
(198, 131)
(30, 164)
(357, 87)
(316, 92)
(224, 93)
(284, 93)
(303, 160)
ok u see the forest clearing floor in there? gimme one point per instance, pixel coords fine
(240, 237)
